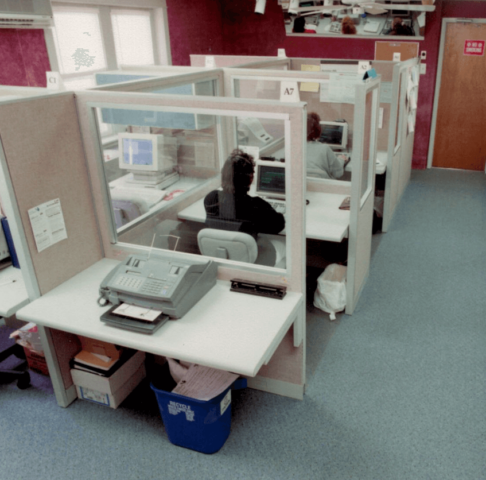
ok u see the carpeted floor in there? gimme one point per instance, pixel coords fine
(396, 391)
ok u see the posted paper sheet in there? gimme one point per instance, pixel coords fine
(47, 224)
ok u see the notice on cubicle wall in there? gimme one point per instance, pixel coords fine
(47, 224)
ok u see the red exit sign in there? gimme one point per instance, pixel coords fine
(474, 47)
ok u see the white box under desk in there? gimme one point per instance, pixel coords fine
(226, 330)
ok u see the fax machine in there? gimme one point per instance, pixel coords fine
(156, 281)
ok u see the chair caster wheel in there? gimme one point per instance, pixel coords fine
(24, 381)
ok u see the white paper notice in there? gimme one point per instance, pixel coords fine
(140, 313)
(385, 92)
(380, 118)
(47, 224)
(411, 123)
(342, 87)
(204, 383)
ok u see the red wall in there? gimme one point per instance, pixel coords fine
(195, 27)
(23, 58)
(247, 33)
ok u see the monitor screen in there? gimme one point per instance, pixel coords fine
(270, 180)
(137, 151)
(334, 134)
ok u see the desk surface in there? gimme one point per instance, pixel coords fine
(13, 294)
(224, 330)
(184, 183)
(324, 219)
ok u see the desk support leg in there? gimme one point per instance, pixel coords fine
(64, 397)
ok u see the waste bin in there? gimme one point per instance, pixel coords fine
(199, 425)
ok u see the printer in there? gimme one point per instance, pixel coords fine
(156, 281)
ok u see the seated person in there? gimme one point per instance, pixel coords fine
(347, 26)
(399, 28)
(321, 161)
(233, 209)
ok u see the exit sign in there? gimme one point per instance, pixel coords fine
(474, 47)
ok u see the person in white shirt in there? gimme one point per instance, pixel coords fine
(321, 160)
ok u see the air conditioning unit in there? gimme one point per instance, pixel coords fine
(25, 14)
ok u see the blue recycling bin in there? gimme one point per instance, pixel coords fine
(203, 426)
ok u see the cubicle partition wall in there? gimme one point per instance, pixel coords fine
(243, 61)
(43, 161)
(362, 189)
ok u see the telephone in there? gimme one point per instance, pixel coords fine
(159, 281)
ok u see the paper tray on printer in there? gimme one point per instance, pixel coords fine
(129, 323)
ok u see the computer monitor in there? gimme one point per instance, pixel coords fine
(270, 179)
(148, 156)
(334, 134)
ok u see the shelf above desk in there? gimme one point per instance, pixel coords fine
(225, 330)
(13, 293)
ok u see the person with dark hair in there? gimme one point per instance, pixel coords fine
(232, 208)
(399, 28)
(321, 161)
(347, 26)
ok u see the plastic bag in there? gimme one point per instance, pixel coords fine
(330, 295)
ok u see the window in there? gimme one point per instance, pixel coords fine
(132, 30)
(79, 40)
(91, 39)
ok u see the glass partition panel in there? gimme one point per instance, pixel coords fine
(368, 147)
(399, 113)
(168, 178)
(330, 139)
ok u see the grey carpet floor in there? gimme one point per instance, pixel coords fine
(396, 391)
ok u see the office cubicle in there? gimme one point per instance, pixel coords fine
(331, 96)
(398, 102)
(190, 139)
(65, 138)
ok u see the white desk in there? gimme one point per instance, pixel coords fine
(184, 183)
(381, 163)
(13, 294)
(224, 330)
(324, 219)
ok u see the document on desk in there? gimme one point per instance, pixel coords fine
(47, 224)
(139, 313)
(204, 383)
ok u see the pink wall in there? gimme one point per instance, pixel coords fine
(194, 27)
(23, 57)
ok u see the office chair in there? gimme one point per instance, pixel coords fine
(227, 244)
(8, 375)
(268, 250)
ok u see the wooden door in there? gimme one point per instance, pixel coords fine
(460, 135)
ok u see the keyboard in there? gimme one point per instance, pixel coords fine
(278, 205)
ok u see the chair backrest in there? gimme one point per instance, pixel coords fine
(226, 244)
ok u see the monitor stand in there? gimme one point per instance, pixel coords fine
(159, 182)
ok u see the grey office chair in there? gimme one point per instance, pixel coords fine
(268, 250)
(226, 244)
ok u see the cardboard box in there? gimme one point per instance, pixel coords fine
(110, 391)
(37, 361)
(101, 348)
